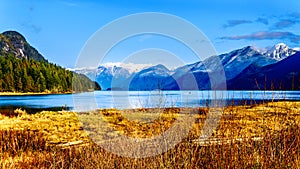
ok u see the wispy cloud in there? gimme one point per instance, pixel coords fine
(281, 22)
(295, 15)
(285, 23)
(265, 35)
(262, 20)
(233, 23)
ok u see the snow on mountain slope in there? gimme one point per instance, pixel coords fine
(233, 62)
(283, 75)
(280, 52)
(296, 49)
(130, 67)
(113, 75)
(146, 77)
(151, 78)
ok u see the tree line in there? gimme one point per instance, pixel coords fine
(22, 75)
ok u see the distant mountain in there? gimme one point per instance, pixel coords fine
(113, 75)
(153, 78)
(12, 42)
(233, 63)
(236, 64)
(279, 52)
(284, 75)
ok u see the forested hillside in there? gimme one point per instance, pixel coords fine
(22, 75)
(24, 69)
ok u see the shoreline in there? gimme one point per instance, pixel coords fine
(29, 93)
(238, 103)
(40, 93)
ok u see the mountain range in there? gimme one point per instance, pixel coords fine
(248, 68)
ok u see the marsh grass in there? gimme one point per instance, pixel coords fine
(30, 141)
(15, 141)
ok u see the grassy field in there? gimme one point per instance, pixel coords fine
(251, 136)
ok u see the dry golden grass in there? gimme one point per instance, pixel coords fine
(277, 123)
(57, 127)
(249, 121)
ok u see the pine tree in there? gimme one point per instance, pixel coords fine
(32, 76)
(19, 86)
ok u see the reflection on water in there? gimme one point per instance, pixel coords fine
(146, 99)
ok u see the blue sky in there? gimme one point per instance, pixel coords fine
(60, 28)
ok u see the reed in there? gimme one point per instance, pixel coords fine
(250, 136)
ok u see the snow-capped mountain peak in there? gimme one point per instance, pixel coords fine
(158, 70)
(124, 76)
(130, 67)
(281, 46)
(280, 51)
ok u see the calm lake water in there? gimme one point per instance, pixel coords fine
(146, 99)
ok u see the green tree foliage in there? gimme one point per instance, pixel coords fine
(21, 75)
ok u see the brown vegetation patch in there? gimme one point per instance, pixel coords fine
(27, 141)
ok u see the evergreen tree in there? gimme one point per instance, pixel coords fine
(32, 76)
